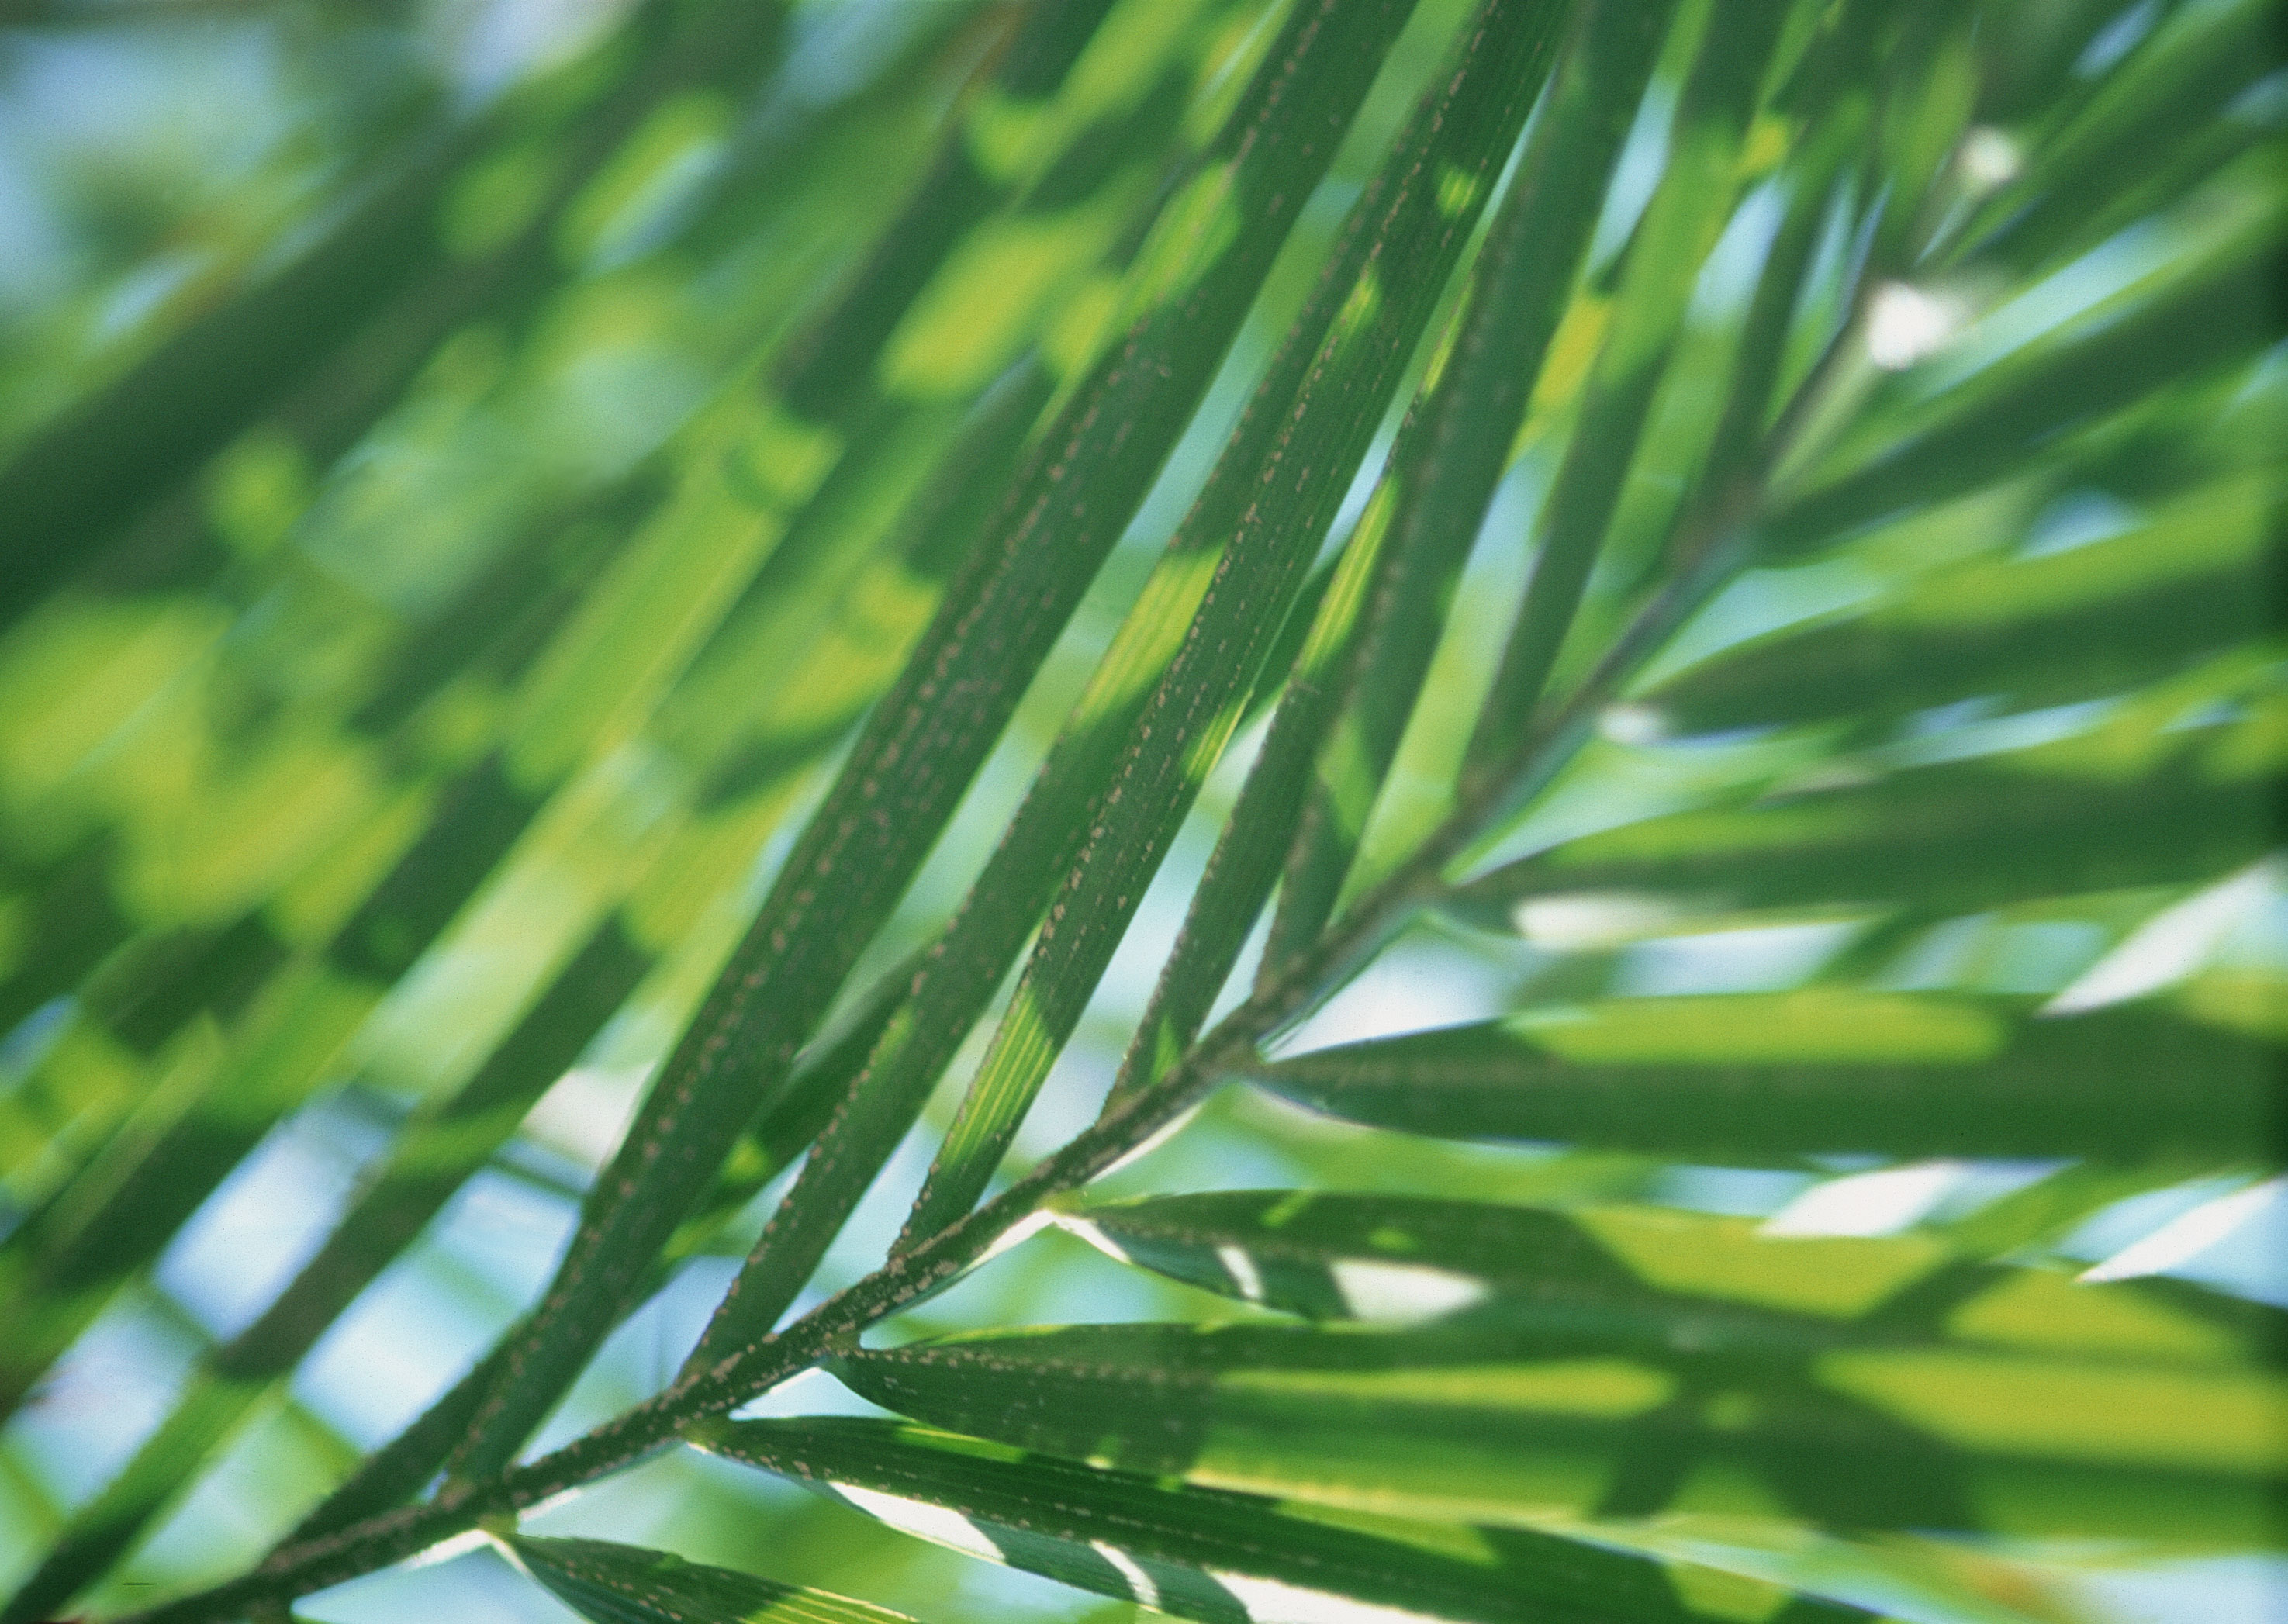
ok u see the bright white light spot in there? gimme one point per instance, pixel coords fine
(1087, 1230)
(587, 1110)
(2183, 1237)
(1241, 1267)
(934, 1523)
(446, 1550)
(1141, 1590)
(1906, 324)
(2173, 944)
(1023, 1230)
(1267, 1601)
(1878, 1203)
(1591, 920)
(1632, 724)
(1402, 1292)
(1988, 158)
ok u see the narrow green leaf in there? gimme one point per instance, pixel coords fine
(1402, 240)
(1466, 1424)
(114, 454)
(2166, 92)
(990, 927)
(432, 1159)
(1764, 1077)
(1651, 1283)
(2170, 808)
(1004, 608)
(1441, 483)
(1220, 1558)
(625, 1584)
(2036, 630)
(408, 1463)
(1681, 224)
(777, 1135)
(1971, 414)
(627, 638)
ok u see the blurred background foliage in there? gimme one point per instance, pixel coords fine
(467, 470)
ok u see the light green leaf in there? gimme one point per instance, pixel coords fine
(1649, 1282)
(1474, 1424)
(1228, 1558)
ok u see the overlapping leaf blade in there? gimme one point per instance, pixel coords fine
(1652, 1283)
(1474, 1376)
(1004, 607)
(1196, 1553)
(1257, 574)
(1680, 224)
(1369, 646)
(1474, 1424)
(2118, 805)
(1411, 237)
(605, 656)
(430, 1162)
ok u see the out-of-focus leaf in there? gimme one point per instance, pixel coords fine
(116, 452)
(2104, 809)
(1219, 1557)
(1763, 1077)
(625, 1584)
(626, 639)
(836, 639)
(1963, 420)
(430, 1162)
(1463, 1423)
(2134, 118)
(2041, 629)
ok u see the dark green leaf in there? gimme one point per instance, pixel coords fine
(2038, 631)
(1681, 224)
(1401, 243)
(2120, 805)
(1254, 576)
(624, 1584)
(1763, 1077)
(1005, 606)
(1440, 482)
